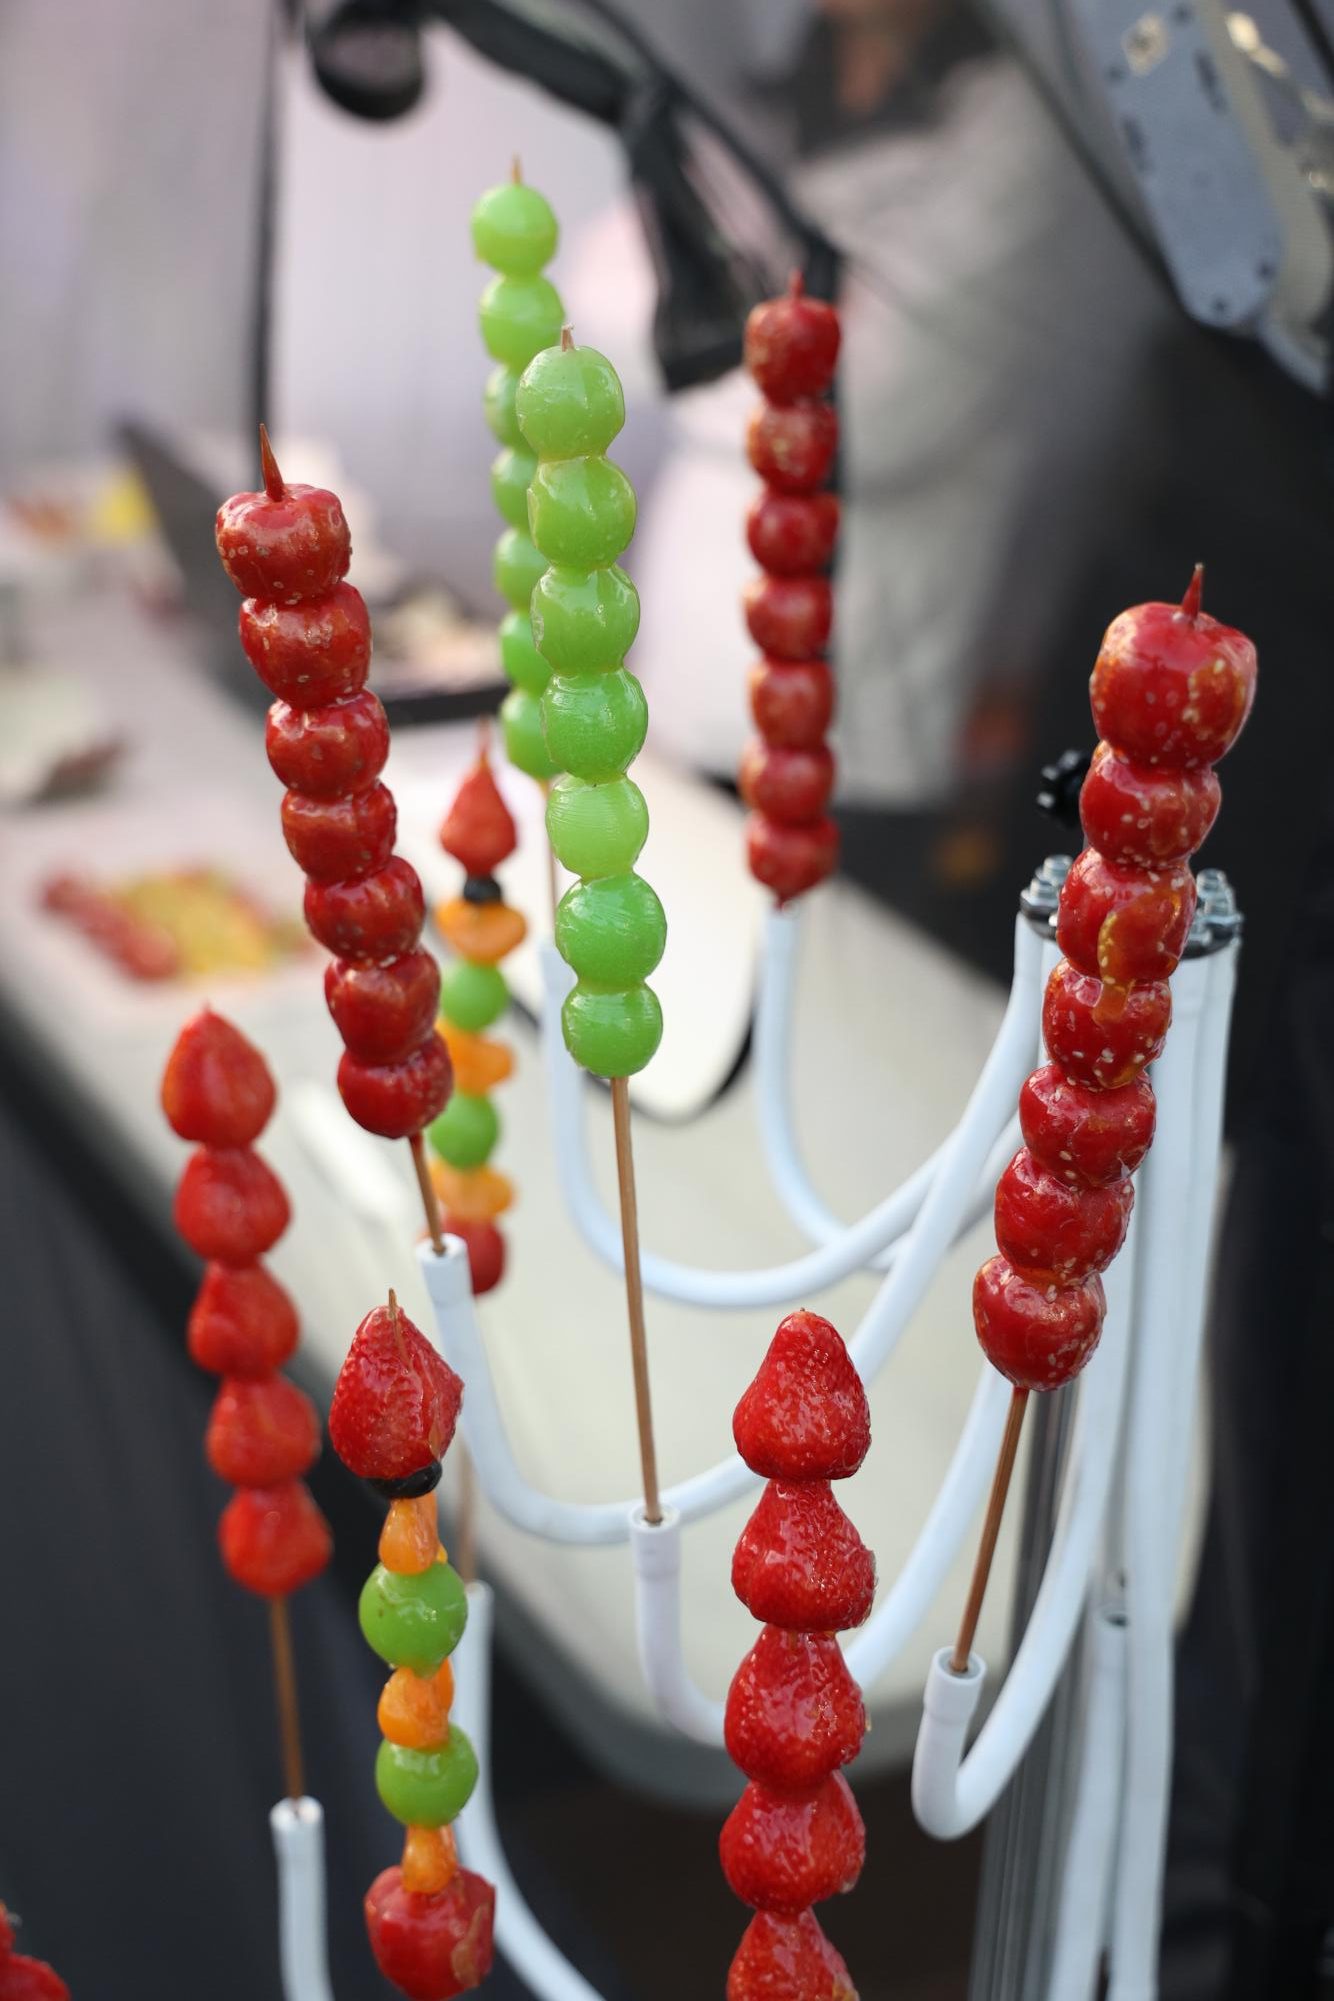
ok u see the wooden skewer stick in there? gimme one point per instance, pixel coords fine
(986, 1549)
(427, 1187)
(466, 1540)
(284, 1683)
(634, 1296)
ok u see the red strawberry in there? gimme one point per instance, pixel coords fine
(805, 1416)
(432, 1947)
(396, 1401)
(781, 1854)
(216, 1087)
(229, 1205)
(261, 1433)
(794, 1713)
(478, 829)
(274, 1539)
(787, 1959)
(799, 1562)
(24, 1979)
(242, 1322)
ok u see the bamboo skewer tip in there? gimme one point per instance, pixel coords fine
(986, 1548)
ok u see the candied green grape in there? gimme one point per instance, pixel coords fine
(498, 406)
(510, 474)
(612, 930)
(466, 1132)
(513, 230)
(612, 1032)
(519, 317)
(473, 996)
(525, 745)
(414, 1622)
(594, 724)
(581, 512)
(427, 1788)
(523, 664)
(570, 402)
(516, 568)
(597, 829)
(582, 623)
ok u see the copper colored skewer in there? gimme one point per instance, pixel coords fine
(284, 1682)
(427, 1187)
(986, 1549)
(634, 1296)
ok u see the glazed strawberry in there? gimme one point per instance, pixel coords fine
(794, 1713)
(287, 542)
(1100, 1035)
(25, 1979)
(332, 839)
(793, 446)
(1125, 924)
(1037, 1336)
(790, 859)
(230, 1205)
(312, 653)
(384, 1011)
(274, 1539)
(789, 618)
(6, 1933)
(792, 534)
(262, 1432)
(1084, 1136)
(396, 1401)
(787, 1959)
(216, 1087)
(486, 1250)
(379, 916)
(396, 1100)
(788, 785)
(800, 1563)
(1172, 686)
(782, 1854)
(432, 1947)
(1055, 1234)
(331, 752)
(478, 829)
(242, 1322)
(1143, 817)
(805, 1416)
(792, 702)
(791, 344)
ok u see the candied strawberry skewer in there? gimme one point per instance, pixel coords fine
(794, 1714)
(307, 635)
(22, 1978)
(264, 1433)
(1171, 690)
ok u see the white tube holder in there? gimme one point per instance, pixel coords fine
(298, 1841)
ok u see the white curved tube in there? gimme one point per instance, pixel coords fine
(1086, 1865)
(543, 1970)
(298, 1842)
(656, 1548)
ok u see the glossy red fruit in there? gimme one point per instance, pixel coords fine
(789, 617)
(792, 786)
(1125, 924)
(216, 1088)
(309, 654)
(274, 1539)
(1040, 1336)
(1055, 1234)
(799, 1562)
(486, 1250)
(328, 753)
(242, 1322)
(790, 859)
(1102, 1035)
(289, 542)
(1172, 686)
(25, 1979)
(805, 1415)
(787, 1959)
(478, 829)
(1146, 818)
(791, 344)
(432, 1947)
(377, 916)
(396, 1400)
(792, 702)
(793, 447)
(1084, 1136)
(791, 534)
(230, 1205)
(383, 1012)
(794, 1713)
(396, 1100)
(337, 839)
(261, 1432)
(781, 1853)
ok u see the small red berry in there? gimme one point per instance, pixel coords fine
(396, 1400)
(274, 1539)
(229, 1205)
(805, 1415)
(799, 1562)
(790, 617)
(791, 534)
(792, 702)
(1039, 1336)
(1086, 1136)
(1102, 1035)
(396, 1100)
(1125, 924)
(1172, 686)
(216, 1087)
(793, 447)
(791, 786)
(331, 752)
(1146, 818)
(791, 345)
(432, 1947)
(383, 1011)
(261, 1432)
(1054, 1234)
(287, 542)
(783, 1854)
(790, 859)
(787, 1959)
(242, 1322)
(25, 1979)
(478, 829)
(309, 654)
(794, 1713)
(334, 839)
(486, 1250)
(377, 916)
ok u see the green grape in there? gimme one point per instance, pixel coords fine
(597, 829)
(516, 568)
(525, 745)
(513, 230)
(569, 402)
(584, 624)
(472, 997)
(612, 930)
(594, 724)
(427, 1788)
(466, 1132)
(498, 406)
(581, 512)
(519, 317)
(510, 474)
(614, 1032)
(413, 1622)
(523, 664)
